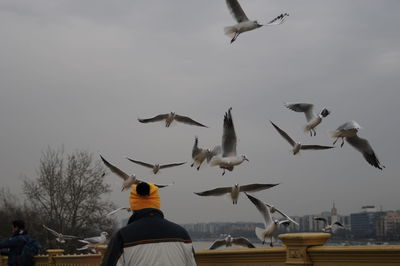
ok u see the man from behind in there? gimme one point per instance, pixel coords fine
(149, 239)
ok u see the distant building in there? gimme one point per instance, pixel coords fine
(388, 226)
(363, 224)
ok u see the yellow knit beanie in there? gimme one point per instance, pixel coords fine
(138, 202)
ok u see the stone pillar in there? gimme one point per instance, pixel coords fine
(297, 245)
(52, 253)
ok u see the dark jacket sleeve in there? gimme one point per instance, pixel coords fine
(114, 250)
(11, 243)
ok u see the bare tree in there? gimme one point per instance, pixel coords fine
(68, 194)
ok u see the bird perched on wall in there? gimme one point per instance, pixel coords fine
(313, 120)
(229, 158)
(243, 23)
(235, 190)
(169, 118)
(155, 167)
(297, 146)
(93, 242)
(228, 241)
(348, 131)
(199, 154)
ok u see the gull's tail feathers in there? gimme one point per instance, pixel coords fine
(230, 31)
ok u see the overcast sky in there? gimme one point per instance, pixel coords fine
(80, 73)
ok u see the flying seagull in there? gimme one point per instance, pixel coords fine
(243, 23)
(271, 225)
(156, 167)
(129, 180)
(328, 228)
(313, 120)
(128, 209)
(229, 241)
(59, 237)
(229, 158)
(171, 117)
(297, 146)
(199, 154)
(235, 190)
(93, 242)
(349, 132)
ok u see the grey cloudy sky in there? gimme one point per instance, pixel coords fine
(80, 73)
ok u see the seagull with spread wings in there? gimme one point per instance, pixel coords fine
(243, 23)
(155, 167)
(328, 228)
(228, 241)
(169, 118)
(313, 120)
(349, 132)
(235, 190)
(229, 158)
(297, 146)
(59, 237)
(200, 154)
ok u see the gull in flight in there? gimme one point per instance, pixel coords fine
(271, 225)
(93, 242)
(349, 132)
(297, 146)
(313, 120)
(128, 209)
(229, 158)
(199, 154)
(228, 241)
(59, 237)
(243, 23)
(235, 190)
(171, 117)
(328, 228)
(129, 180)
(156, 167)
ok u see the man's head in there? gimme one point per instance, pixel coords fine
(18, 225)
(144, 195)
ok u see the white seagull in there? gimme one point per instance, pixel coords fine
(235, 190)
(129, 180)
(271, 225)
(59, 237)
(349, 132)
(171, 117)
(244, 24)
(93, 242)
(313, 120)
(229, 158)
(156, 167)
(229, 241)
(328, 228)
(199, 154)
(297, 146)
(128, 209)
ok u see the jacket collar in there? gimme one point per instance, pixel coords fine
(148, 212)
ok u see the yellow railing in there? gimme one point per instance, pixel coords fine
(299, 249)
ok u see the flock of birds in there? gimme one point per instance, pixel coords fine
(225, 156)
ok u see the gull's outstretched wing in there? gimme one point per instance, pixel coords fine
(284, 134)
(256, 187)
(114, 169)
(228, 136)
(315, 147)
(116, 210)
(274, 209)
(217, 243)
(170, 165)
(323, 219)
(278, 20)
(141, 163)
(305, 108)
(51, 231)
(236, 10)
(363, 146)
(338, 224)
(196, 150)
(215, 192)
(188, 120)
(262, 208)
(153, 119)
(349, 125)
(242, 241)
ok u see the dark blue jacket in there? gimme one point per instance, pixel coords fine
(14, 245)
